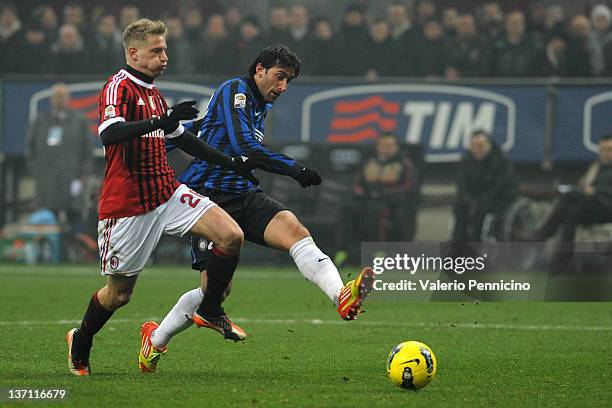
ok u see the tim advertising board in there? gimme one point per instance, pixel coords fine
(23, 101)
(582, 118)
(596, 120)
(440, 117)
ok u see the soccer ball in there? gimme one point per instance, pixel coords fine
(411, 365)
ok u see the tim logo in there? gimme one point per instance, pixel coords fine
(596, 119)
(440, 117)
(84, 97)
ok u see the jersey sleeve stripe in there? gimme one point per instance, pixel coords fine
(111, 89)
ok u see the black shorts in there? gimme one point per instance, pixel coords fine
(253, 211)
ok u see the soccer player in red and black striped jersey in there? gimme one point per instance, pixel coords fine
(141, 198)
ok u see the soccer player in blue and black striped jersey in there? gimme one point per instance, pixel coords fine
(234, 124)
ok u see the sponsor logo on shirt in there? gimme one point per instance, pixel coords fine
(239, 101)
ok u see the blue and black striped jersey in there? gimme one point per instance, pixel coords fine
(234, 124)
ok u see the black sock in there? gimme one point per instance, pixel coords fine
(95, 317)
(221, 268)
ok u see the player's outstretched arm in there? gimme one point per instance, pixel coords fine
(191, 144)
(244, 141)
(169, 121)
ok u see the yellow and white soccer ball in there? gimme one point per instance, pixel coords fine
(411, 365)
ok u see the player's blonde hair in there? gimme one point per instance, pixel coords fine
(140, 29)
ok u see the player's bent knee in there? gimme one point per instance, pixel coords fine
(231, 240)
(295, 229)
(120, 299)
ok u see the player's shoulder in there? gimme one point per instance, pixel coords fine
(116, 78)
(117, 89)
(234, 85)
(233, 92)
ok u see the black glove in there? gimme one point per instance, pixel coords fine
(181, 111)
(308, 177)
(244, 166)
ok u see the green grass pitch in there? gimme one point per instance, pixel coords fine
(299, 353)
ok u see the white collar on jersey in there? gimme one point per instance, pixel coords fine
(138, 81)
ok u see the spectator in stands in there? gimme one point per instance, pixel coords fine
(555, 21)
(68, 52)
(34, 49)
(600, 36)
(486, 185)
(217, 56)
(10, 37)
(75, 15)
(105, 46)
(450, 17)
(46, 17)
(379, 50)
(589, 203)
(193, 23)
(233, 21)
(179, 49)
(403, 38)
(491, 21)
(514, 55)
(250, 42)
(468, 53)
(323, 62)
(425, 12)
(350, 39)
(381, 191)
(553, 59)
(581, 50)
(60, 156)
(431, 54)
(536, 24)
(300, 40)
(279, 25)
(127, 15)
(96, 12)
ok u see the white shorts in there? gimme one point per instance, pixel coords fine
(127, 243)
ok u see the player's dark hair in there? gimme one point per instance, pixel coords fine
(481, 132)
(605, 138)
(386, 135)
(276, 55)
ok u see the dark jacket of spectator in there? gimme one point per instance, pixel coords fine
(216, 55)
(278, 23)
(105, 46)
(34, 49)
(379, 52)
(490, 181)
(248, 45)
(180, 53)
(579, 54)
(553, 59)
(11, 34)
(68, 52)
(431, 56)
(323, 61)
(514, 59)
(469, 54)
(350, 39)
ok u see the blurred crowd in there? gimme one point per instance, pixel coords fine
(404, 39)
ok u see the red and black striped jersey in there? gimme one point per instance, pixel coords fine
(138, 177)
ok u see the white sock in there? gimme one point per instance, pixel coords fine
(178, 319)
(317, 267)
